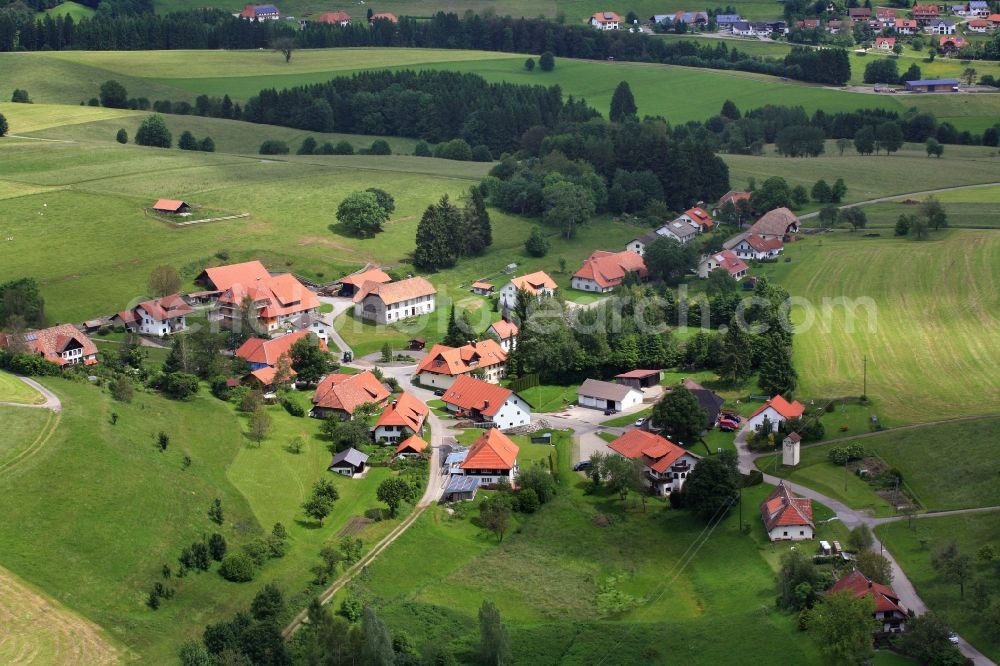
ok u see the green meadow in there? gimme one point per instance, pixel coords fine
(977, 207)
(13, 389)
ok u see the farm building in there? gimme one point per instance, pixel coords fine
(341, 394)
(777, 410)
(667, 465)
(603, 271)
(63, 345)
(605, 395)
(639, 379)
(277, 299)
(404, 414)
(786, 516)
(492, 458)
(487, 403)
(461, 488)
(925, 13)
(776, 224)
(260, 13)
(444, 364)
(261, 353)
(890, 613)
(159, 316)
(171, 206)
(605, 21)
(263, 379)
(342, 19)
(349, 463)
(395, 301)
(351, 284)
(751, 246)
(482, 288)
(932, 85)
(411, 447)
(538, 283)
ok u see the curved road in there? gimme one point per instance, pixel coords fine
(851, 519)
(894, 197)
(51, 400)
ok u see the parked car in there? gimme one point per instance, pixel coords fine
(728, 425)
(609, 412)
(581, 466)
(953, 638)
(639, 421)
(439, 392)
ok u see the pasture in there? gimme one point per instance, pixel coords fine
(22, 427)
(928, 329)
(13, 389)
(977, 208)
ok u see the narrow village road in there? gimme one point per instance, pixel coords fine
(51, 399)
(893, 197)
(851, 519)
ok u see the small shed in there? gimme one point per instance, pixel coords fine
(349, 463)
(411, 447)
(461, 488)
(171, 206)
(932, 85)
(639, 379)
(482, 288)
(417, 344)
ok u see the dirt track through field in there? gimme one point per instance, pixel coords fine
(37, 630)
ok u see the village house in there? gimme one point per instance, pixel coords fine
(349, 463)
(171, 207)
(275, 300)
(777, 410)
(680, 230)
(940, 27)
(403, 415)
(395, 301)
(886, 16)
(639, 245)
(444, 364)
(351, 284)
(907, 26)
(732, 197)
(950, 44)
(667, 465)
(786, 516)
(698, 218)
(340, 394)
(334, 18)
(925, 13)
(159, 316)
(63, 345)
(743, 29)
(259, 13)
(411, 447)
(885, 43)
(979, 25)
(537, 283)
(728, 21)
(978, 8)
(605, 21)
(486, 403)
(691, 18)
(639, 379)
(890, 613)
(608, 396)
(506, 334)
(752, 246)
(726, 260)
(309, 322)
(603, 271)
(807, 24)
(483, 288)
(994, 20)
(837, 26)
(491, 459)
(383, 16)
(859, 13)
(779, 223)
(261, 353)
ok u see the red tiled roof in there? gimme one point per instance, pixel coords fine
(504, 329)
(333, 17)
(444, 360)
(51, 342)
(608, 269)
(258, 350)
(274, 297)
(955, 40)
(734, 197)
(169, 205)
(860, 586)
(979, 23)
(493, 450)
(607, 17)
(408, 411)
(637, 374)
(783, 508)
(384, 16)
(733, 264)
(266, 375)
(657, 452)
(907, 23)
(470, 393)
(348, 392)
(224, 277)
(533, 283)
(789, 410)
(479, 284)
(168, 307)
(993, 18)
(890, 41)
(760, 245)
(885, 12)
(412, 443)
(700, 217)
(372, 274)
(395, 292)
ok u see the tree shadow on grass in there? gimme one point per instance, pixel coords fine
(308, 524)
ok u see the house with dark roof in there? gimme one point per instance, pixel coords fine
(341, 394)
(639, 378)
(924, 14)
(259, 13)
(443, 364)
(603, 271)
(596, 394)
(349, 463)
(394, 301)
(461, 488)
(478, 401)
(639, 245)
(492, 458)
(786, 516)
(940, 26)
(708, 400)
(777, 410)
(932, 85)
(158, 316)
(779, 224)
(403, 415)
(63, 345)
(680, 230)
(890, 613)
(667, 465)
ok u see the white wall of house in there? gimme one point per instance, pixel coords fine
(672, 480)
(514, 412)
(436, 380)
(372, 307)
(508, 294)
(632, 399)
(791, 533)
(636, 246)
(390, 433)
(776, 419)
(150, 326)
(586, 284)
(610, 25)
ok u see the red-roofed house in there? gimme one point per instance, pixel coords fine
(885, 43)
(605, 21)
(886, 15)
(443, 364)
(483, 288)
(699, 217)
(979, 25)
(994, 20)
(487, 403)
(888, 610)
(726, 260)
(925, 13)
(786, 516)
(341, 394)
(603, 271)
(342, 19)
(733, 197)
(261, 353)
(63, 345)
(160, 316)
(505, 332)
(394, 301)
(260, 13)
(752, 246)
(171, 206)
(404, 414)
(277, 300)
(383, 16)
(952, 43)
(667, 465)
(777, 410)
(537, 283)
(351, 284)
(907, 26)
(492, 458)
(264, 379)
(411, 447)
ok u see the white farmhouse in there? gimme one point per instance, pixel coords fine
(605, 395)
(487, 403)
(537, 283)
(395, 301)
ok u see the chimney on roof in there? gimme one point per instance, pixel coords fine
(869, 585)
(394, 403)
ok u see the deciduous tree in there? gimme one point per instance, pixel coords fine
(494, 645)
(712, 488)
(394, 491)
(679, 416)
(153, 132)
(362, 214)
(163, 281)
(844, 625)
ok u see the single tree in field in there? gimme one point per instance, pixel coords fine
(730, 110)
(842, 145)
(385, 200)
(260, 425)
(828, 215)
(494, 647)
(187, 141)
(494, 515)
(547, 61)
(153, 132)
(622, 103)
(844, 626)
(215, 511)
(362, 214)
(860, 538)
(616, 472)
(969, 75)
(537, 245)
(934, 147)
(114, 95)
(321, 501)
(679, 415)
(854, 217)
(121, 136)
(889, 136)
(864, 140)
(163, 281)
(953, 565)
(4, 128)
(394, 491)
(284, 46)
(529, 64)
(932, 210)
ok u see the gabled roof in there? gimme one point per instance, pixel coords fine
(608, 269)
(170, 205)
(396, 292)
(480, 284)
(890, 41)
(460, 483)
(729, 261)
(679, 228)
(657, 452)
(775, 223)
(783, 508)
(167, 307)
(412, 444)
(407, 410)
(934, 82)
(493, 450)
(606, 17)
(51, 342)
(734, 197)
(333, 17)
(384, 16)
(222, 278)
(259, 350)
(348, 392)
(885, 12)
(533, 283)
(700, 217)
(266, 374)
(906, 23)
(444, 360)
(351, 456)
(758, 244)
(637, 374)
(470, 393)
(504, 329)
(372, 274)
(860, 586)
(789, 410)
(595, 388)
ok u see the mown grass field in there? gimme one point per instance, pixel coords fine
(13, 389)
(21, 427)
(926, 318)
(970, 532)
(973, 208)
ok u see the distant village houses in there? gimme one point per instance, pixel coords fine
(63, 345)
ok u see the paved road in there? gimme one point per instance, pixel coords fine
(51, 399)
(903, 196)
(339, 305)
(851, 519)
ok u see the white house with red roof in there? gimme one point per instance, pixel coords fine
(403, 415)
(343, 19)
(667, 464)
(891, 614)
(605, 21)
(277, 300)
(63, 345)
(159, 316)
(351, 284)
(786, 516)
(263, 353)
(757, 248)
(341, 394)
(885, 43)
(777, 410)
(473, 398)
(443, 364)
(725, 260)
(602, 271)
(385, 303)
(538, 284)
(699, 218)
(506, 334)
(491, 459)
